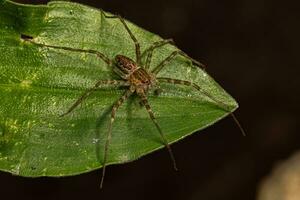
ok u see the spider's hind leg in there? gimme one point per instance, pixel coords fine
(115, 107)
(152, 117)
(88, 92)
(197, 87)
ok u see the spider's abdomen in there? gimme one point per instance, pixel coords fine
(125, 65)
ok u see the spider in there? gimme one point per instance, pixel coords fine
(138, 79)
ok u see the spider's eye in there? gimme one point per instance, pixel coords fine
(118, 60)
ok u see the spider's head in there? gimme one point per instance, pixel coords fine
(125, 65)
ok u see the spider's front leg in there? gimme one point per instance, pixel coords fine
(91, 51)
(163, 63)
(136, 43)
(154, 46)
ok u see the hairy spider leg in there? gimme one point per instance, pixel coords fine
(115, 107)
(91, 51)
(151, 49)
(197, 87)
(136, 43)
(87, 93)
(153, 118)
(144, 98)
(163, 63)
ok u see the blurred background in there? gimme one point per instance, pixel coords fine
(251, 47)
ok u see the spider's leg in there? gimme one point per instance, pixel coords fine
(136, 43)
(115, 107)
(87, 93)
(150, 50)
(197, 87)
(91, 51)
(151, 114)
(163, 63)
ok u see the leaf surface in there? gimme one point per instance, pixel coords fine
(37, 84)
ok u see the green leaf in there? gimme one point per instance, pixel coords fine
(37, 84)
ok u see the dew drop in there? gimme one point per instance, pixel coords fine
(3, 158)
(95, 140)
(76, 143)
(189, 70)
(18, 143)
(123, 158)
(84, 151)
(26, 83)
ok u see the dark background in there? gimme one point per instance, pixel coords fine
(251, 47)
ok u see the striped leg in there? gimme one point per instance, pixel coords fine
(91, 51)
(115, 107)
(197, 87)
(136, 43)
(163, 63)
(151, 114)
(87, 93)
(151, 49)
